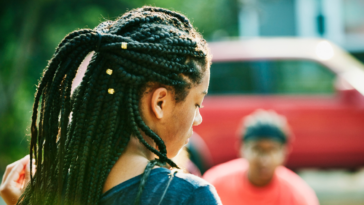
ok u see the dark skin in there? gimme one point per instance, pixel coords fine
(264, 156)
(172, 121)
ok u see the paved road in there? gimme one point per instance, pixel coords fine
(336, 187)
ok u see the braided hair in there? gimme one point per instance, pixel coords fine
(74, 157)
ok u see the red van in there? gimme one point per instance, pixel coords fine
(316, 85)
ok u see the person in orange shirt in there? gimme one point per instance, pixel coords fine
(260, 177)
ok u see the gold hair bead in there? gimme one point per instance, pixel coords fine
(124, 45)
(109, 71)
(111, 91)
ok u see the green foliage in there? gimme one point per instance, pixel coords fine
(32, 29)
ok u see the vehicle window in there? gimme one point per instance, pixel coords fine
(271, 77)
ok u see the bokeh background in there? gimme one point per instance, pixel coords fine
(30, 31)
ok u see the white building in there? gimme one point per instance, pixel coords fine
(340, 21)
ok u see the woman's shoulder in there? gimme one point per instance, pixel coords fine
(194, 181)
(182, 182)
(174, 187)
(195, 189)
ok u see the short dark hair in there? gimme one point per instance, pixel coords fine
(264, 124)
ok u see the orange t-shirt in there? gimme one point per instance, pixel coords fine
(232, 184)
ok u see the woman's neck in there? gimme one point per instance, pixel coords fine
(136, 148)
(131, 163)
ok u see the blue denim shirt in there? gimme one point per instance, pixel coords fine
(183, 189)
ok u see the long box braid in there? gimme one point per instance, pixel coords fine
(74, 157)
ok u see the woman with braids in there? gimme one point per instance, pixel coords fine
(113, 140)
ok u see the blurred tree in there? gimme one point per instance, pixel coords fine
(32, 29)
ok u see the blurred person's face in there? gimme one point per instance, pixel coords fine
(264, 156)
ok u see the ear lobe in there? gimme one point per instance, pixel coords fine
(159, 101)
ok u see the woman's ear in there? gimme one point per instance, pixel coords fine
(159, 102)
